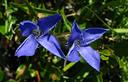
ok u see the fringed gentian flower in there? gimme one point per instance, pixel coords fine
(38, 35)
(80, 41)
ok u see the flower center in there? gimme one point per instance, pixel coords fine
(36, 32)
(82, 41)
(77, 42)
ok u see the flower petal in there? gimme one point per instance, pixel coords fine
(75, 34)
(28, 47)
(26, 27)
(91, 56)
(73, 54)
(92, 34)
(50, 43)
(48, 23)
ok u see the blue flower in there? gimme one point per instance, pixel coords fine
(80, 41)
(37, 34)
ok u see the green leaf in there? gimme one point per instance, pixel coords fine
(66, 22)
(68, 66)
(85, 74)
(44, 11)
(104, 57)
(105, 52)
(1, 15)
(83, 26)
(33, 72)
(20, 70)
(99, 77)
(2, 29)
(121, 30)
(23, 7)
(1, 75)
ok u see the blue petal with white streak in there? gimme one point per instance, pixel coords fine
(91, 56)
(75, 33)
(73, 54)
(27, 27)
(48, 23)
(28, 47)
(91, 34)
(51, 44)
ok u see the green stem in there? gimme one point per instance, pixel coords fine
(7, 14)
(100, 19)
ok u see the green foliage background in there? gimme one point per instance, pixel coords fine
(43, 66)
